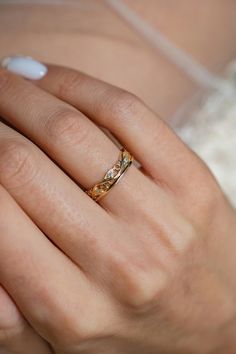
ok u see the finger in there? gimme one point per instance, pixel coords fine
(99, 244)
(94, 241)
(162, 154)
(102, 246)
(31, 110)
(26, 106)
(71, 218)
(74, 233)
(56, 298)
(68, 136)
(16, 335)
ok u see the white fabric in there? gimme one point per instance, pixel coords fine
(211, 133)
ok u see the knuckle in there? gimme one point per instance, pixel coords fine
(140, 285)
(69, 83)
(11, 322)
(17, 163)
(65, 126)
(62, 326)
(73, 333)
(124, 105)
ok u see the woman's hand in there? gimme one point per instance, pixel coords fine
(150, 269)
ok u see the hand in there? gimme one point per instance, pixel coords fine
(150, 268)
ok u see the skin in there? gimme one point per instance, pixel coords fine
(151, 279)
(74, 35)
(149, 269)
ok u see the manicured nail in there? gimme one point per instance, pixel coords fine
(25, 66)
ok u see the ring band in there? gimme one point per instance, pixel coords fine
(112, 176)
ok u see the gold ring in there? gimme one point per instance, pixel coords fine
(112, 176)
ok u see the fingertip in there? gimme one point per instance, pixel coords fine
(24, 66)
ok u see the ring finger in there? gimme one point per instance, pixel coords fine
(68, 136)
(85, 232)
(83, 151)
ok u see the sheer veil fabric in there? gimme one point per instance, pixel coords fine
(210, 131)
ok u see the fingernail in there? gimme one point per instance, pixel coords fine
(25, 66)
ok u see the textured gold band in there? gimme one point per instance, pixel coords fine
(100, 189)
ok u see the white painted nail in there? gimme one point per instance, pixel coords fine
(25, 66)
